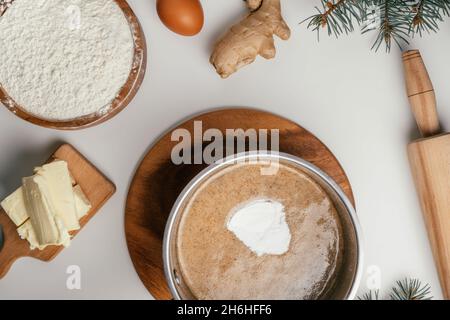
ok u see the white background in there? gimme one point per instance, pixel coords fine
(352, 98)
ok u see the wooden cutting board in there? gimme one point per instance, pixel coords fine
(158, 182)
(98, 190)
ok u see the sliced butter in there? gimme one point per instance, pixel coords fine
(14, 207)
(82, 203)
(72, 179)
(48, 227)
(55, 173)
(26, 232)
(59, 182)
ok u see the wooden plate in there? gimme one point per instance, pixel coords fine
(124, 97)
(95, 185)
(158, 182)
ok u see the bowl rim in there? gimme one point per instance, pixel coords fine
(259, 155)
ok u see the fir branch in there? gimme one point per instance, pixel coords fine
(336, 15)
(427, 14)
(396, 20)
(394, 24)
(411, 289)
(371, 295)
(406, 289)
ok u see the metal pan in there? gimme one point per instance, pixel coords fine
(349, 276)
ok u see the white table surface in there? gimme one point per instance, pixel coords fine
(352, 98)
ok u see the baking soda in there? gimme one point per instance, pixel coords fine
(261, 226)
(64, 59)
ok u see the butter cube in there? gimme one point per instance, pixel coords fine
(26, 232)
(72, 179)
(14, 207)
(49, 194)
(49, 228)
(57, 177)
(82, 204)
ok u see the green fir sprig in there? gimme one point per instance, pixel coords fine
(371, 295)
(394, 21)
(411, 289)
(427, 14)
(393, 24)
(406, 289)
(337, 16)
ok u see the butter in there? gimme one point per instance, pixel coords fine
(46, 192)
(72, 179)
(14, 207)
(57, 177)
(82, 204)
(26, 232)
(48, 226)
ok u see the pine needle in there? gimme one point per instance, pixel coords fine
(398, 20)
(406, 289)
(371, 295)
(411, 289)
(337, 16)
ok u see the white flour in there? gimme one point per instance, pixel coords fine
(261, 226)
(63, 59)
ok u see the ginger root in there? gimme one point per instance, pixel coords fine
(251, 37)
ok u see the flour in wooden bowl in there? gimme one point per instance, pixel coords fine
(64, 59)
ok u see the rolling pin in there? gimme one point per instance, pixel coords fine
(429, 158)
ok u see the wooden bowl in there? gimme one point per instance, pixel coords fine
(126, 94)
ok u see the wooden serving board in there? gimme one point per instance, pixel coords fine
(98, 190)
(124, 97)
(158, 182)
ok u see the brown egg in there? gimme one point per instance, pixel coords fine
(184, 17)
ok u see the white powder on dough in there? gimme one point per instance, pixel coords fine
(63, 59)
(261, 226)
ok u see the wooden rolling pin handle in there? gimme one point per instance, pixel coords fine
(421, 93)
